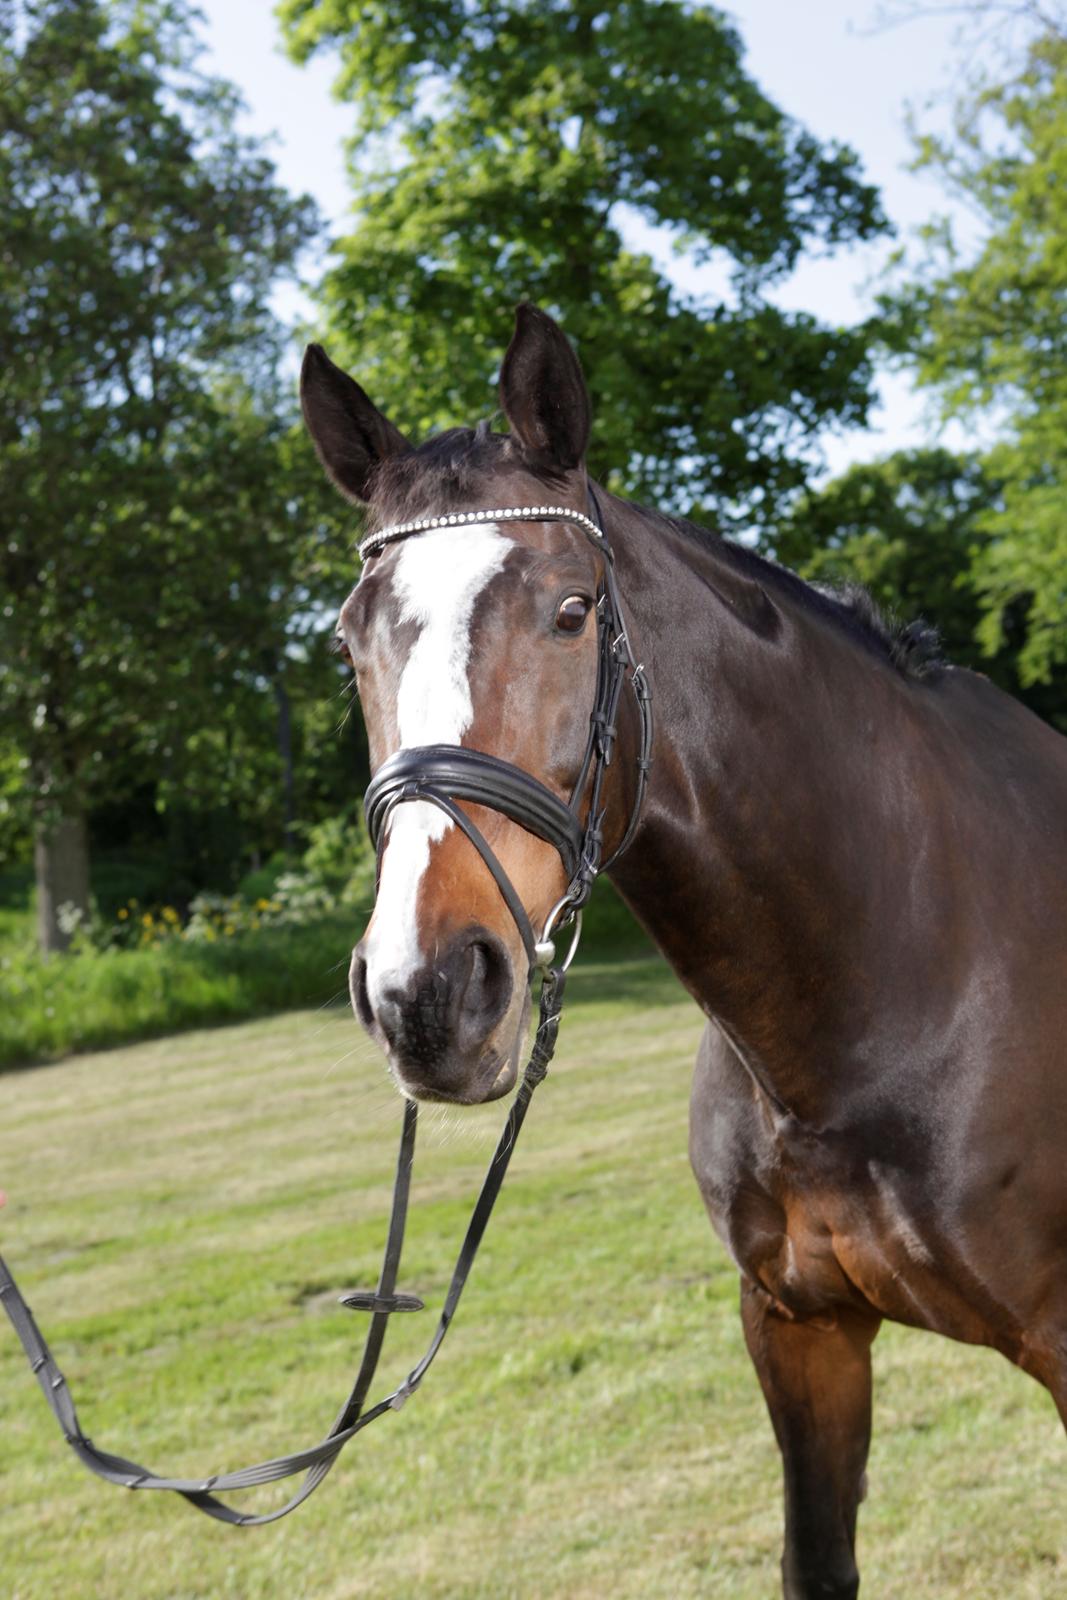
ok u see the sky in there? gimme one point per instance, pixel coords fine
(828, 63)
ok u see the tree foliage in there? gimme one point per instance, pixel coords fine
(147, 556)
(988, 329)
(904, 528)
(503, 152)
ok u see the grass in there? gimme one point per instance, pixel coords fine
(90, 999)
(182, 1215)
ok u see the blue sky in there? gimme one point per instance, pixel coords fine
(823, 61)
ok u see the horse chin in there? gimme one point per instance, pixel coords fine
(491, 1080)
(504, 1081)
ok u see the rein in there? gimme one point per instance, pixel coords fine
(441, 775)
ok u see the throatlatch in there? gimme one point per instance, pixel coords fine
(440, 774)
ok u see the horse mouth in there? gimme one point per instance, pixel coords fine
(493, 1080)
(504, 1081)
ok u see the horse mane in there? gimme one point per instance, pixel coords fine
(913, 648)
(447, 471)
(450, 469)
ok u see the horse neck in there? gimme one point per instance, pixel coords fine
(766, 836)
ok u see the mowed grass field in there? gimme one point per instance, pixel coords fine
(182, 1215)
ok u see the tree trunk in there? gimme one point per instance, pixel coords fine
(285, 751)
(61, 862)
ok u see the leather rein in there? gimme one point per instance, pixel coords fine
(440, 775)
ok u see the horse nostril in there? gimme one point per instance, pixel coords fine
(486, 989)
(357, 982)
(451, 1005)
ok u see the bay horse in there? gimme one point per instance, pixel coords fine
(853, 855)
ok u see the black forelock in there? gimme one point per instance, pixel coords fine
(451, 470)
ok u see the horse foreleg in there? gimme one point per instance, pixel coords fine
(816, 1379)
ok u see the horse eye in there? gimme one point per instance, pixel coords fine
(570, 618)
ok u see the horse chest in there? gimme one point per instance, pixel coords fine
(814, 1219)
(813, 1245)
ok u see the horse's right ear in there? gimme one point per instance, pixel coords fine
(348, 431)
(543, 393)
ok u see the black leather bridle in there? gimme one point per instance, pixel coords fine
(442, 775)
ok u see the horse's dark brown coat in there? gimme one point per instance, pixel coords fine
(859, 872)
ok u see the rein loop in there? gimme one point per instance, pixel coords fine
(203, 1492)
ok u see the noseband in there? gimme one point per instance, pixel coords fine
(442, 775)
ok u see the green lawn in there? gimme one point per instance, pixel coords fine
(182, 1215)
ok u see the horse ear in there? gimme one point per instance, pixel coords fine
(348, 431)
(543, 393)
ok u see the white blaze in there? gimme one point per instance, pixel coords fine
(437, 580)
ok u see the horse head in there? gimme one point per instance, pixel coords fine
(480, 633)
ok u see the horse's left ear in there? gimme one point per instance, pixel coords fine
(348, 431)
(543, 392)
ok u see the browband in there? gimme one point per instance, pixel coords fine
(456, 519)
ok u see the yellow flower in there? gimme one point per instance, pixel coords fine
(169, 914)
(123, 913)
(147, 919)
(229, 928)
(262, 905)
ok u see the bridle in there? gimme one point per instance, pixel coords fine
(441, 775)
(445, 773)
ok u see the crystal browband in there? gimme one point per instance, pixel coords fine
(404, 530)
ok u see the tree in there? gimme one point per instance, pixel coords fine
(987, 328)
(259, 739)
(138, 403)
(499, 150)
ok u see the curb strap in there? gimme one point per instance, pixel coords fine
(316, 1462)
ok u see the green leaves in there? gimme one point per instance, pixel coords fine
(988, 329)
(501, 152)
(906, 528)
(159, 528)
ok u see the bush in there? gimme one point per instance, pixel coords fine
(260, 883)
(98, 997)
(146, 972)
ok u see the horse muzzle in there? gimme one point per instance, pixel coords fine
(451, 1027)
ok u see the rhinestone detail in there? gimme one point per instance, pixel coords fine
(376, 542)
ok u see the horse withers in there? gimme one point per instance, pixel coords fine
(853, 856)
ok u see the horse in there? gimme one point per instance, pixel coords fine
(852, 854)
